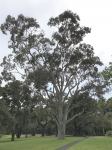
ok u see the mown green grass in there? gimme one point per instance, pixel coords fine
(34, 143)
(52, 143)
(94, 143)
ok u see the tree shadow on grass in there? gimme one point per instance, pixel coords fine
(5, 141)
(9, 140)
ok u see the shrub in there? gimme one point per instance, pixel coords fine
(109, 133)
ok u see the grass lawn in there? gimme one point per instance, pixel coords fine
(94, 143)
(34, 143)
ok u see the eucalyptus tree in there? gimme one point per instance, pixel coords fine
(57, 68)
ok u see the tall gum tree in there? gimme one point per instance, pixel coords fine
(58, 68)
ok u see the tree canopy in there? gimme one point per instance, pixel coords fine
(57, 68)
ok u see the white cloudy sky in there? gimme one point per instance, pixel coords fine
(96, 14)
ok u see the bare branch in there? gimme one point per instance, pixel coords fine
(75, 116)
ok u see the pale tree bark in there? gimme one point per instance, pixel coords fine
(62, 122)
(61, 130)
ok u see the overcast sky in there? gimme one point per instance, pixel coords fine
(96, 14)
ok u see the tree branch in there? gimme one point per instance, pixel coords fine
(75, 116)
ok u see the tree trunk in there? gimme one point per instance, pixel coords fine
(13, 136)
(61, 130)
(26, 132)
(43, 132)
(62, 120)
(18, 133)
(13, 133)
(33, 133)
(103, 131)
(26, 135)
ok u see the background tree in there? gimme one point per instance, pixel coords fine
(17, 98)
(43, 118)
(12, 97)
(83, 124)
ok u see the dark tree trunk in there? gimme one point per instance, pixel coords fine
(43, 132)
(26, 135)
(13, 136)
(33, 132)
(13, 133)
(18, 133)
